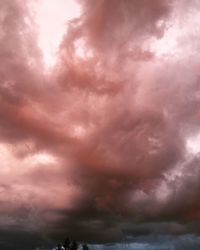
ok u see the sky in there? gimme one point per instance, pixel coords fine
(100, 123)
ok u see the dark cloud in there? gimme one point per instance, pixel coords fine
(103, 146)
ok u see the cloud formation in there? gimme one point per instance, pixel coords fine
(102, 146)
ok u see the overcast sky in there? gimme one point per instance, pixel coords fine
(100, 122)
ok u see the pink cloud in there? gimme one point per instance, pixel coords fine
(101, 138)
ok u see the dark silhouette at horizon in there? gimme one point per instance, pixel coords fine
(71, 245)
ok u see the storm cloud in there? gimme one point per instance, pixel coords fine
(104, 145)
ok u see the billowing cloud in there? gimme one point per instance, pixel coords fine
(102, 143)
